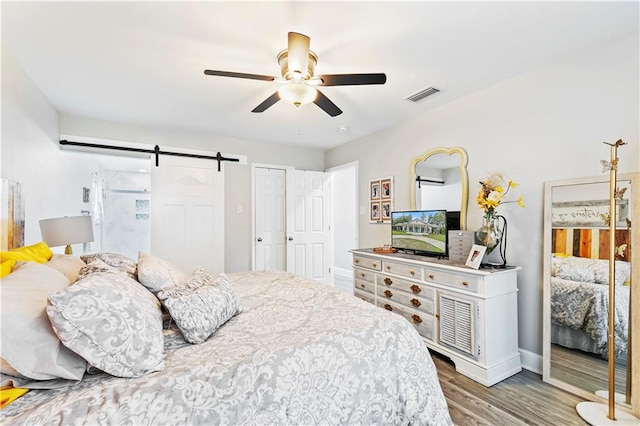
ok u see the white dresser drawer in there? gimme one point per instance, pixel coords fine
(367, 262)
(402, 269)
(424, 323)
(459, 281)
(367, 297)
(363, 285)
(364, 275)
(412, 287)
(411, 300)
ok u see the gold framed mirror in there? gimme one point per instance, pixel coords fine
(439, 180)
(575, 301)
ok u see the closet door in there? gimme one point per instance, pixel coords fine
(187, 213)
(270, 219)
(308, 233)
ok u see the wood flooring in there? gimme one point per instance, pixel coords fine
(522, 399)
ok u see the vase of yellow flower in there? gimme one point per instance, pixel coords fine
(493, 192)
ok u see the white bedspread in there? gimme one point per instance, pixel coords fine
(299, 353)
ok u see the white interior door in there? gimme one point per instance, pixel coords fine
(270, 219)
(187, 213)
(308, 238)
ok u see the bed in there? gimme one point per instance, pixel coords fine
(580, 305)
(297, 352)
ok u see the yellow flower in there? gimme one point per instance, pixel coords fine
(493, 193)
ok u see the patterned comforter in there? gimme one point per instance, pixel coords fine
(585, 306)
(299, 353)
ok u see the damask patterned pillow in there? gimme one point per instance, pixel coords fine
(112, 322)
(96, 266)
(157, 274)
(589, 270)
(201, 305)
(116, 260)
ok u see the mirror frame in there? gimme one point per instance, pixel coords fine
(634, 321)
(464, 177)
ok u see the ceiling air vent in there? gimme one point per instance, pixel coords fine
(422, 94)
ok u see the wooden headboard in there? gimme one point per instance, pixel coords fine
(590, 242)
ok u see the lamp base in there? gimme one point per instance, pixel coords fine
(596, 414)
(68, 250)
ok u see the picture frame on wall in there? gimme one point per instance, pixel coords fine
(380, 200)
(374, 212)
(374, 190)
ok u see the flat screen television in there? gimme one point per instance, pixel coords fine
(422, 232)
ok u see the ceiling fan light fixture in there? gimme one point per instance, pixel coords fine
(297, 93)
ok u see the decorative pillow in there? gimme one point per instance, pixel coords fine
(201, 305)
(116, 260)
(588, 270)
(112, 322)
(96, 266)
(40, 253)
(157, 274)
(68, 265)
(29, 345)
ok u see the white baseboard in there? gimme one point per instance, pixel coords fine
(343, 280)
(531, 361)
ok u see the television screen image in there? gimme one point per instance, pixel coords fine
(420, 232)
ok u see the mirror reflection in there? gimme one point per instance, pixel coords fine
(576, 287)
(439, 180)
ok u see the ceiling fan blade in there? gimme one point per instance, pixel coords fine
(298, 54)
(325, 103)
(267, 103)
(352, 79)
(239, 75)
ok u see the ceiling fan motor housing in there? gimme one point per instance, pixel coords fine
(287, 74)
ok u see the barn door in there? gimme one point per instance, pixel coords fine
(187, 213)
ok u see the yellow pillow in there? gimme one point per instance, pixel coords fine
(40, 253)
(8, 394)
(7, 267)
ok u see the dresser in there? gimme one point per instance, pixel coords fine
(468, 315)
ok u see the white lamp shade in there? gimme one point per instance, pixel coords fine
(297, 93)
(61, 231)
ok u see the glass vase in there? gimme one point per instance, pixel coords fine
(488, 234)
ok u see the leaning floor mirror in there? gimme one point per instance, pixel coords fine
(576, 277)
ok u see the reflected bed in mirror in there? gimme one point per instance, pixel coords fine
(576, 278)
(439, 180)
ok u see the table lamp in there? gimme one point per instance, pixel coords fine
(67, 230)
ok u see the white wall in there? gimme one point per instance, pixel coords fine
(544, 125)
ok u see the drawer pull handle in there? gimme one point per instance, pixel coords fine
(388, 267)
(388, 293)
(412, 272)
(464, 283)
(416, 319)
(388, 281)
(362, 285)
(437, 315)
(415, 289)
(388, 307)
(415, 302)
(362, 274)
(356, 261)
(375, 265)
(430, 276)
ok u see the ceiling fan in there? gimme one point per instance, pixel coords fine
(297, 68)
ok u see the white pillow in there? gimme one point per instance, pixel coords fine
(157, 274)
(29, 345)
(69, 265)
(112, 322)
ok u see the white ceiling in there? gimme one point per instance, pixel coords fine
(143, 62)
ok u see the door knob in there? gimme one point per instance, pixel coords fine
(290, 238)
(259, 239)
